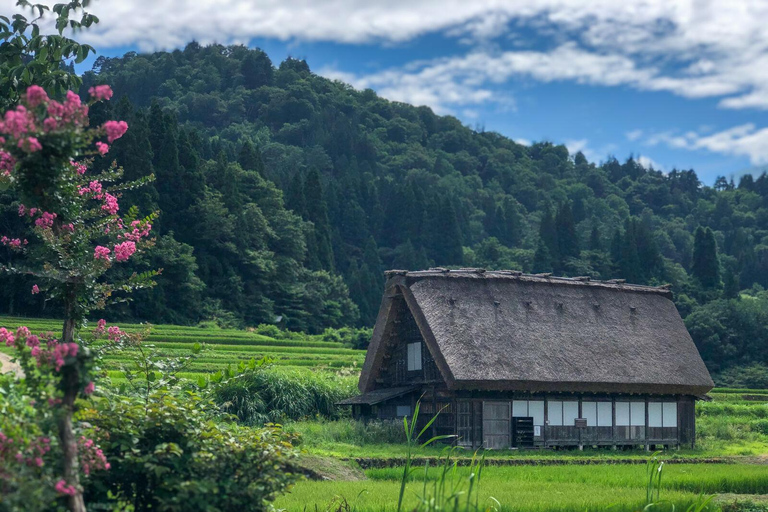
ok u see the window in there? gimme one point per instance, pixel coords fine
(637, 413)
(669, 414)
(654, 414)
(403, 410)
(589, 413)
(519, 408)
(536, 411)
(414, 356)
(604, 414)
(570, 413)
(555, 408)
(622, 414)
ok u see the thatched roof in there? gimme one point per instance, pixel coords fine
(506, 330)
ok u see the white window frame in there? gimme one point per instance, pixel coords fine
(570, 412)
(402, 411)
(622, 414)
(669, 414)
(655, 414)
(414, 356)
(555, 410)
(637, 414)
(536, 411)
(589, 413)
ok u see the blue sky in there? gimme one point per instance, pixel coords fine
(680, 84)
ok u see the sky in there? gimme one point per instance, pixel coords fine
(678, 84)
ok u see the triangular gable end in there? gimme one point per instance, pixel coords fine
(400, 323)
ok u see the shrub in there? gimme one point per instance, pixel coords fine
(168, 453)
(261, 395)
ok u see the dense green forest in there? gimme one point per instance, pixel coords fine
(284, 195)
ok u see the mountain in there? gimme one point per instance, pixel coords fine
(284, 195)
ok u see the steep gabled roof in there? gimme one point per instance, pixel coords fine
(508, 330)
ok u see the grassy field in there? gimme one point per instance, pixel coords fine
(733, 425)
(222, 347)
(552, 488)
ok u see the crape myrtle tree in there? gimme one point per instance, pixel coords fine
(79, 233)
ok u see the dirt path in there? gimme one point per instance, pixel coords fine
(6, 366)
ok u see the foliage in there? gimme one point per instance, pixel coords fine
(27, 57)
(171, 453)
(45, 153)
(259, 394)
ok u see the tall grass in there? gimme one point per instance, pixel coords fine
(275, 395)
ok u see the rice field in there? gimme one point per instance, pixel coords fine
(613, 487)
(222, 348)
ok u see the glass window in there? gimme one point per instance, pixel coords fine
(669, 418)
(403, 410)
(519, 408)
(637, 410)
(536, 411)
(414, 356)
(570, 413)
(622, 414)
(589, 412)
(555, 410)
(604, 414)
(654, 414)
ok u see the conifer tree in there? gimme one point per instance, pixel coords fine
(567, 241)
(542, 261)
(317, 212)
(250, 158)
(705, 265)
(548, 235)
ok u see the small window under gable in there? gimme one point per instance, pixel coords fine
(403, 410)
(414, 356)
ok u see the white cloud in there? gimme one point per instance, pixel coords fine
(694, 49)
(743, 140)
(634, 134)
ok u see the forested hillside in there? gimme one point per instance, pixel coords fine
(284, 195)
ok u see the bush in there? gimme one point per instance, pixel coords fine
(260, 395)
(170, 454)
(753, 376)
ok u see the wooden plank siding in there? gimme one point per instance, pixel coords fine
(461, 414)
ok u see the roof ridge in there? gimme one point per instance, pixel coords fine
(617, 284)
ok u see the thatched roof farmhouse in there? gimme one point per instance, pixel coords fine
(518, 360)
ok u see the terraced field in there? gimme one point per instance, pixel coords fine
(222, 347)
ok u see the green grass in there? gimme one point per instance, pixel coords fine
(546, 488)
(222, 347)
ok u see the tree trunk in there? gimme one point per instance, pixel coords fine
(70, 384)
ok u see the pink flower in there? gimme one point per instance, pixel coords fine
(100, 92)
(102, 148)
(114, 333)
(55, 109)
(22, 210)
(35, 290)
(45, 220)
(110, 204)
(100, 327)
(93, 187)
(79, 167)
(18, 122)
(33, 341)
(68, 227)
(115, 130)
(7, 336)
(89, 388)
(30, 144)
(62, 488)
(124, 250)
(101, 253)
(50, 124)
(36, 95)
(7, 163)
